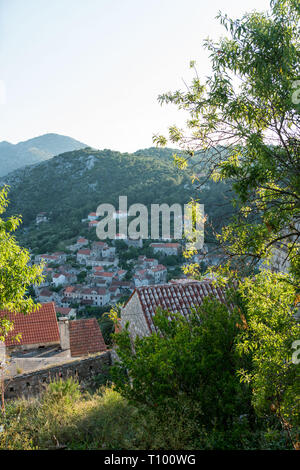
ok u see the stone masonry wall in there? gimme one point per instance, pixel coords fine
(33, 383)
(133, 314)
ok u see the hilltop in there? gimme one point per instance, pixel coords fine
(14, 156)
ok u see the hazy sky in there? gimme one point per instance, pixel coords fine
(92, 69)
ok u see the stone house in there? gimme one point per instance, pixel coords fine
(166, 248)
(179, 297)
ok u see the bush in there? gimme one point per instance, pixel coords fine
(186, 361)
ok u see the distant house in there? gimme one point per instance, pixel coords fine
(135, 242)
(41, 217)
(82, 242)
(166, 248)
(178, 297)
(92, 216)
(59, 279)
(83, 255)
(61, 256)
(95, 296)
(106, 276)
(93, 223)
(97, 248)
(45, 295)
(48, 258)
(67, 312)
(159, 273)
(147, 262)
(142, 278)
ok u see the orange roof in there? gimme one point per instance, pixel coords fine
(165, 245)
(36, 327)
(84, 251)
(86, 337)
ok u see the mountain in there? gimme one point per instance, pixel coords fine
(34, 151)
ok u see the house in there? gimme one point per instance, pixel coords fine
(47, 258)
(41, 217)
(105, 276)
(81, 242)
(120, 274)
(179, 297)
(37, 329)
(93, 223)
(92, 216)
(82, 337)
(61, 256)
(41, 329)
(166, 248)
(95, 296)
(45, 295)
(97, 248)
(59, 279)
(69, 313)
(141, 278)
(135, 242)
(159, 273)
(83, 255)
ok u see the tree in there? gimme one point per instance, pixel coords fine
(271, 329)
(16, 274)
(243, 128)
(186, 361)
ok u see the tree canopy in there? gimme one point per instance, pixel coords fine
(16, 274)
(244, 127)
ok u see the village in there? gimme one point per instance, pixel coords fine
(89, 273)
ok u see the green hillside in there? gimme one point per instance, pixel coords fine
(71, 185)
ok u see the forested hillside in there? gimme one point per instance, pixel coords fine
(71, 185)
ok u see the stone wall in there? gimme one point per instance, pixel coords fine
(33, 383)
(133, 313)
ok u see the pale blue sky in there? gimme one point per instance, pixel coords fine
(92, 69)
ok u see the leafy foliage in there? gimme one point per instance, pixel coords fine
(16, 275)
(271, 329)
(186, 360)
(245, 119)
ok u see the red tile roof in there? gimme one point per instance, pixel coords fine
(179, 298)
(63, 310)
(165, 245)
(36, 328)
(84, 251)
(86, 337)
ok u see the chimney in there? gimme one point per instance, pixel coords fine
(64, 333)
(2, 353)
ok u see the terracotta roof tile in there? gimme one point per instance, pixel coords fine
(36, 327)
(177, 298)
(86, 337)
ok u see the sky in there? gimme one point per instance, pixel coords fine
(93, 69)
